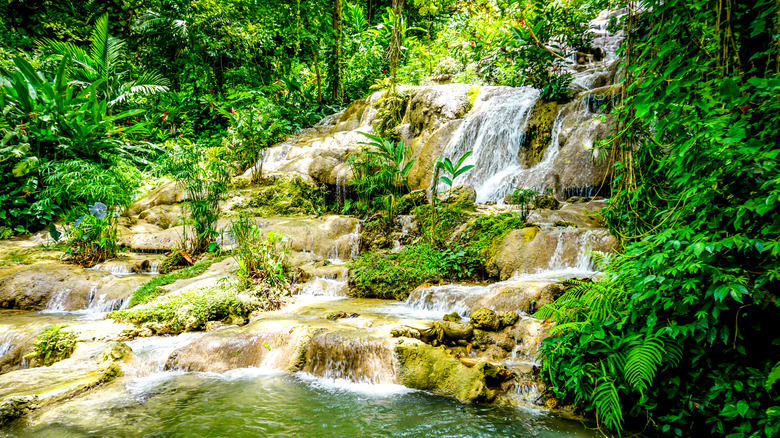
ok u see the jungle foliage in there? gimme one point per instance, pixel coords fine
(681, 338)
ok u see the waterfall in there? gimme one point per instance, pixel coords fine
(495, 133)
(99, 303)
(333, 356)
(324, 287)
(58, 301)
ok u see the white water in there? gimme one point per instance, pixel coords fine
(495, 134)
(155, 350)
(324, 287)
(5, 347)
(57, 301)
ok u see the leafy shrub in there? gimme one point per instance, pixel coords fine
(523, 198)
(52, 345)
(204, 175)
(191, 310)
(92, 239)
(262, 259)
(394, 275)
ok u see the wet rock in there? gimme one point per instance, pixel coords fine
(404, 331)
(59, 285)
(565, 224)
(14, 407)
(163, 216)
(455, 331)
(460, 195)
(452, 317)
(484, 319)
(547, 202)
(168, 193)
(434, 369)
(507, 319)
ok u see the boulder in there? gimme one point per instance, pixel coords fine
(484, 319)
(168, 193)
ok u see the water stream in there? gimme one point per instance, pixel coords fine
(262, 402)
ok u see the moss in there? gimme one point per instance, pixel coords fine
(565, 224)
(52, 345)
(483, 237)
(434, 369)
(390, 110)
(191, 310)
(472, 94)
(539, 132)
(152, 288)
(395, 275)
(285, 196)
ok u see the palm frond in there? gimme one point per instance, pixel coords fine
(99, 50)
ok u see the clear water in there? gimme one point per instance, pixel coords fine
(256, 403)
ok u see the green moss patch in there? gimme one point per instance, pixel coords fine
(285, 196)
(191, 310)
(152, 288)
(394, 275)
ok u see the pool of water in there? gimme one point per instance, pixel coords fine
(266, 403)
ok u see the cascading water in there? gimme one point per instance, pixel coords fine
(495, 134)
(324, 287)
(358, 360)
(58, 301)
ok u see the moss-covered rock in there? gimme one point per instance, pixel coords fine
(547, 202)
(484, 319)
(565, 224)
(434, 369)
(539, 131)
(507, 319)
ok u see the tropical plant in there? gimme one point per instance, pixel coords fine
(204, 175)
(262, 257)
(93, 236)
(52, 345)
(455, 170)
(380, 174)
(522, 197)
(103, 65)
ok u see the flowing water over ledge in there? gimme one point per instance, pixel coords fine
(259, 402)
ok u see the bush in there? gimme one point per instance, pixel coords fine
(191, 310)
(262, 259)
(52, 345)
(395, 275)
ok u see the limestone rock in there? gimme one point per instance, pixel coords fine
(168, 193)
(459, 195)
(484, 319)
(547, 202)
(507, 319)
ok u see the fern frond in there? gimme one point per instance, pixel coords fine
(643, 358)
(607, 403)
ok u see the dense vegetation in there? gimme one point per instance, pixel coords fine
(681, 338)
(678, 339)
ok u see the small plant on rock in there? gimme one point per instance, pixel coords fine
(92, 239)
(52, 345)
(262, 259)
(522, 198)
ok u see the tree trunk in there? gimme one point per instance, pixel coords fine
(335, 68)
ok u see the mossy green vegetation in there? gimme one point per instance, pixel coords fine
(52, 345)
(284, 196)
(192, 309)
(152, 288)
(482, 238)
(394, 275)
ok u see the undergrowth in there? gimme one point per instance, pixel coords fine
(52, 345)
(191, 310)
(395, 275)
(152, 288)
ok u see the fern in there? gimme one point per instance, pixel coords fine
(642, 360)
(607, 403)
